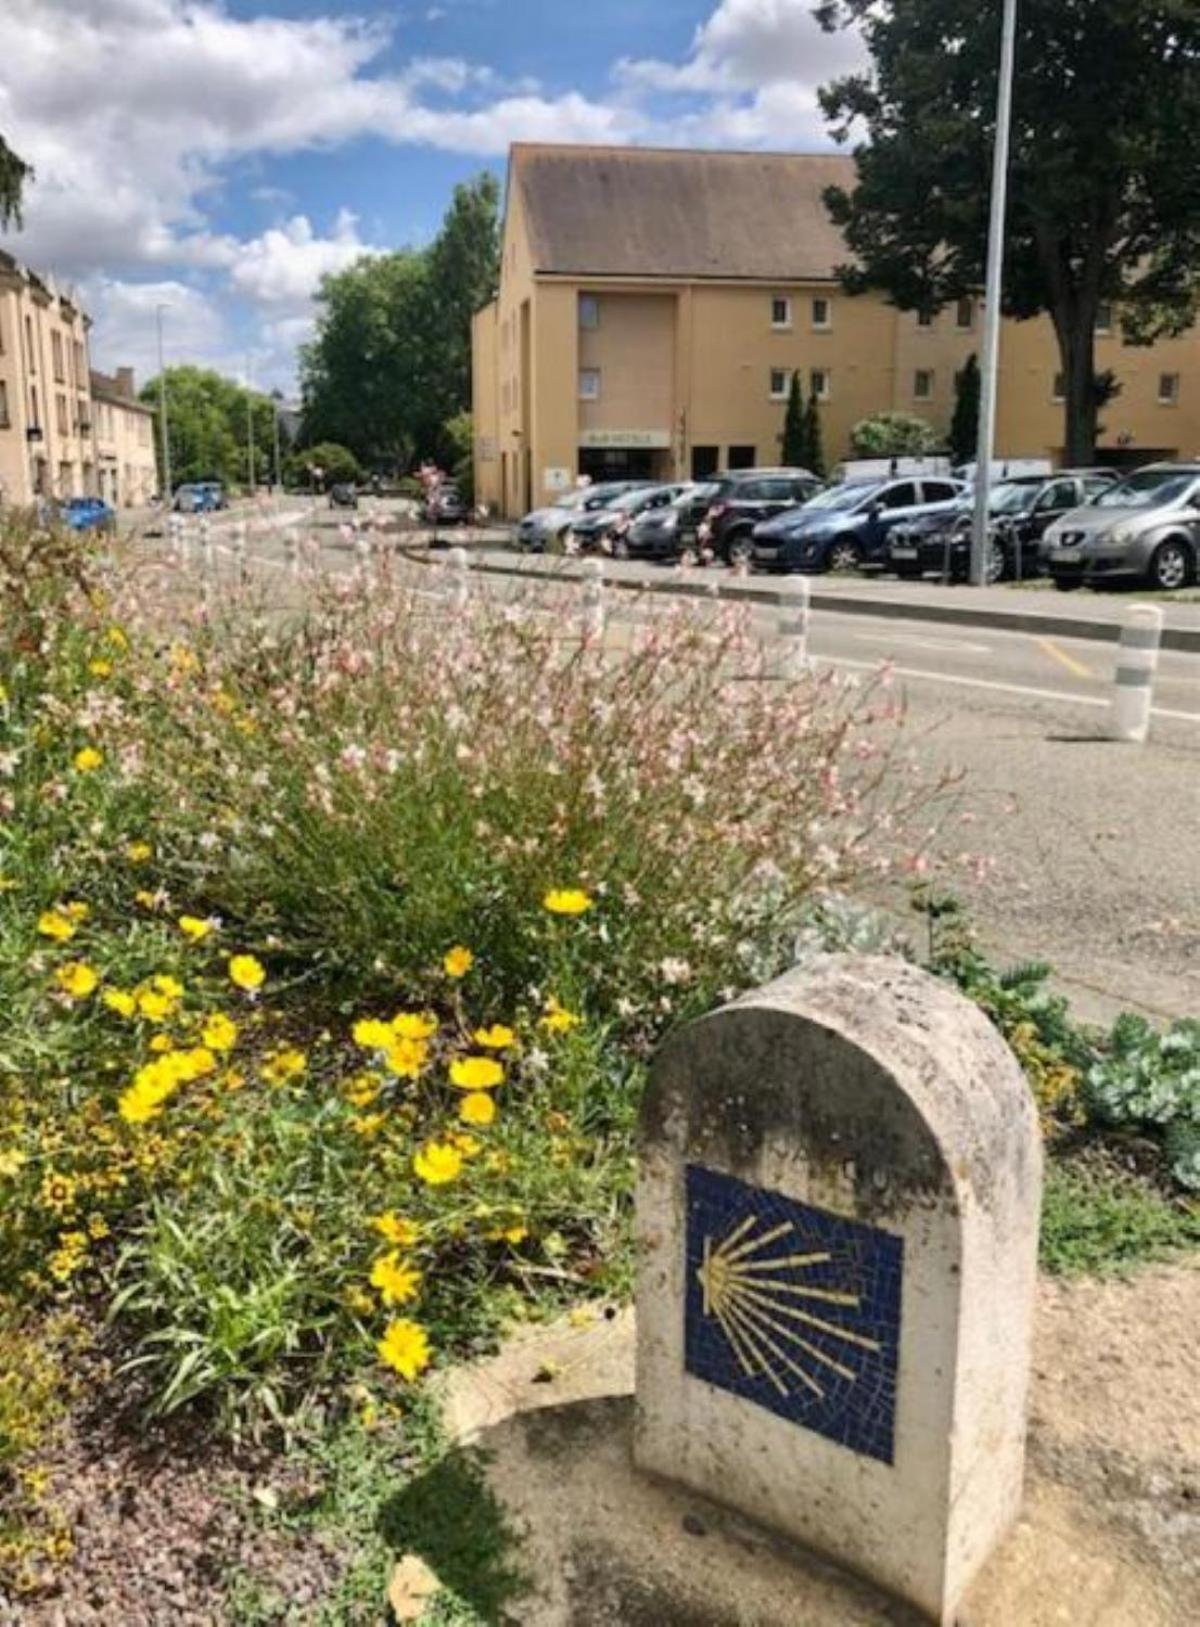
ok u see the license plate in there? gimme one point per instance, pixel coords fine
(903, 553)
(1068, 556)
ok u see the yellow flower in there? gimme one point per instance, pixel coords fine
(362, 1089)
(477, 1108)
(414, 1025)
(358, 1300)
(567, 901)
(476, 1073)
(55, 924)
(12, 1162)
(437, 1163)
(558, 1020)
(246, 972)
(495, 1038)
(88, 759)
(219, 1032)
(235, 1079)
(117, 638)
(77, 911)
(280, 1066)
(97, 1227)
(77, 979)
(139, 852)
(457, 962)
(467, 1145)
(194, 927)
(120, 1001)
(99, 668)
(372, 1034)
(394, 1227)
(148, 900)
(154, 1006)
(405, 1348)
(406, 1057)
(368, 1124)
(57, 1191)
(162, 1042)
(396, 1281)
(168, 985)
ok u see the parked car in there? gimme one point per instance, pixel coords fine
(547, 527)
(1145, 528)
(606, 528)
(847, 526)
(343, 494)
(199, 497)
(87, 514)
(445, 505)
(743, 498)
(1020, 510)
(669, 532)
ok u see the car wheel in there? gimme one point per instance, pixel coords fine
(1171, 566)
(842, 556)
(995, 566)
(740, 549)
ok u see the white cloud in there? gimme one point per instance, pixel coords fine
(125, 332)
(283, 267)
(748, 44)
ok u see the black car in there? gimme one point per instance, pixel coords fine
(445, 505)
(1020, 510)
(669, 531)
(744, 498)
(605, 528)
(343, 495)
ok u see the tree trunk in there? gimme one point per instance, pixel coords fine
(1076, 331)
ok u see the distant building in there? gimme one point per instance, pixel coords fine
(123, 435)
(45, 404)
(654, 304)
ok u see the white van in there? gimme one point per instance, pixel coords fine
(890, 468)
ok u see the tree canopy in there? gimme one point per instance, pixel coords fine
(893, 435)
(964, 425)
(15, 176)
(207, 427)
(1104, 200)
(390, 362)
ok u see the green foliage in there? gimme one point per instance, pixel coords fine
(389, 365)
(794, 451)
(1104, 192)
(816, 444)
(15, 176)
(208, 417)
(1150, 1081)
(459, 437)
(964, 425)
(892, 435)
(1098, 1217)
(336, 463)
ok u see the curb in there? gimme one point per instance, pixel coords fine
(1038, 622)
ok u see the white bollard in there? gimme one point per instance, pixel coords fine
(208, 544)
(458, 566)
(239, 549)
(291, 552)
(362, 554)
(591, 597)
(1137, 659)
(793, 627)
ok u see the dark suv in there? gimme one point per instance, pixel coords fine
(743, 499)
(669, 532)
(1019, 510)
(847, 526)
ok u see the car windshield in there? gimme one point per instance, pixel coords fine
(841, 497)
(631, 501)
(1147, 489)
(1014, 499)
(703, 493)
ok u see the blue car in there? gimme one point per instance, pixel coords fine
(847, 526)
(199, 497)
(87, 514)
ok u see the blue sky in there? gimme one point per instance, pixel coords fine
(219, 156)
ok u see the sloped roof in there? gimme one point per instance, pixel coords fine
(663, 212)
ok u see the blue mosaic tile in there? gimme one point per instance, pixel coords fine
(795, 1309)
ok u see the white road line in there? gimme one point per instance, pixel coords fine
(950, 645)
(998, 688)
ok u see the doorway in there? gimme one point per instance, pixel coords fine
(742, 457)
(706, 460)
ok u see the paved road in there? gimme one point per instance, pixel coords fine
(1096, 843)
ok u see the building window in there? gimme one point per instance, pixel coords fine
(820, 383)
(1060, 387)
(742, 457)
(589, 311)
(965, 313)
(821, 314)
(779, 383)
(781, 312)
(1104, 318)
(56, 352)
(922, 384)
(31, 352)
(924, 319)
(1168, 389)
(589, 384)
(4, 420)
(60, 413)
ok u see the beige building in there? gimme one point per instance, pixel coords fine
(45, 405)
(654, 304)
(123, 434)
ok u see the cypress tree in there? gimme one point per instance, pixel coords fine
(964, 426)
(814, 450)
(795, 436)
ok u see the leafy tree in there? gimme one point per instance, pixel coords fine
(893, 435)
(815, 448)
(15, 176)
(458, 434)
(795, 452)
(208, 417)
(964, 425)
(390, 364)
(336, 463)
(1104, 202)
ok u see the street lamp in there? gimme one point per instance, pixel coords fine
(162, 410)
(250, 426)
(991, 310)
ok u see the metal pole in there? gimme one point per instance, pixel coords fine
(162, 413)
(278, 466)
(250, 429)
(991, 312)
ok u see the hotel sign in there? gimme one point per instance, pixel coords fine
(625, 439)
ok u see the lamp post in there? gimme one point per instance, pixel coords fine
(162, 410)
(991, 311)
(250, 428)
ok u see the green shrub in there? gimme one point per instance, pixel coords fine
(1150, 1081)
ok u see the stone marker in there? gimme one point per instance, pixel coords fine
(837, 1214)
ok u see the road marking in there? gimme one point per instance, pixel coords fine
(1065, 660)
(998, 688)
(950, 645)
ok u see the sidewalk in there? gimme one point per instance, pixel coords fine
(1022, 610)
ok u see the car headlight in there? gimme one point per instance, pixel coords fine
(1122, 534)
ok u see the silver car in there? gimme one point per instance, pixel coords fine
(1144, 529)
(547, 528)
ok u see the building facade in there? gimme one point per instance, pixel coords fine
(653, 306)
(45, 403)
(123, 433)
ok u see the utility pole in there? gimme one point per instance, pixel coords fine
(250, 428)
(278, 463)
(162, 412)
(995, 277)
